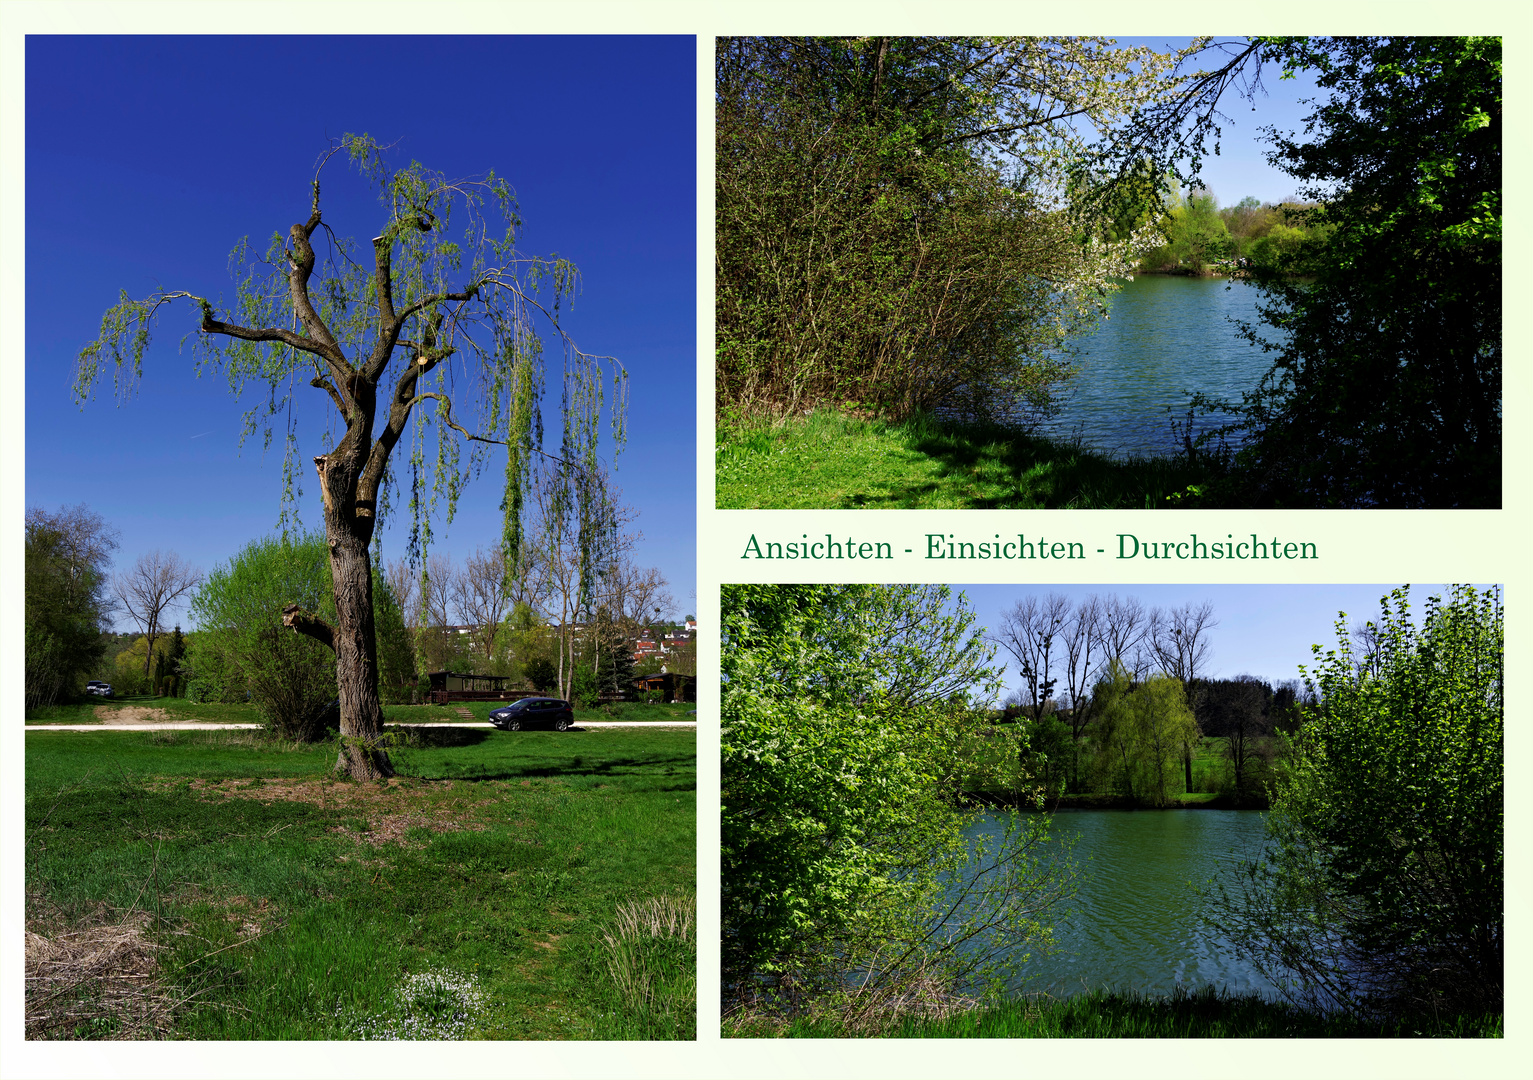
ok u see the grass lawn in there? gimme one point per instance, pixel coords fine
(539, 885)
(830, 461)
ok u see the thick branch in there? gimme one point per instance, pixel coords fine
(383, 274)
(309, 625)
(211, 325)
(300, 266)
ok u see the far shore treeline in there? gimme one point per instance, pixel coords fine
(537, 628)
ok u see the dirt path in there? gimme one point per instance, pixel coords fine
(135, 716)
(150, 724)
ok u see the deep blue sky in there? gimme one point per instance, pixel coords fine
(1263, 630)
(147, 158)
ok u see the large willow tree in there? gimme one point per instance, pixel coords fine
(446, 313)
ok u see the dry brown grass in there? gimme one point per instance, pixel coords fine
(634, 926)
(866, 1009)
(95, 978)
(389, 809)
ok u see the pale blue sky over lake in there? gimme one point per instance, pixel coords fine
(148, 158)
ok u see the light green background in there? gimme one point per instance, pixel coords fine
(1379, 546)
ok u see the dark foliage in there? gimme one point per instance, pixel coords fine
(67, 555)
(1386, 389)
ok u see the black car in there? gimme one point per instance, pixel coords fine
(534, 712)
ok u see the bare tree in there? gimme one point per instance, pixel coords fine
(1369, 659)
(1082, 639)
(1030, 633)
(1180, 639)
(641, 595)
(151, 588)
(481, 594)
(405, 584)
(438, 642)
(1121, 628)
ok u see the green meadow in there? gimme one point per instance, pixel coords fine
(205, 884)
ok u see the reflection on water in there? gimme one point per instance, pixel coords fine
(1165, 339)
(1136, 924)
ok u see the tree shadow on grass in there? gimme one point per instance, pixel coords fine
(997, 469)
(575, 767)
(432, 736)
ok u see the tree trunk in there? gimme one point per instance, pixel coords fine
(356, 658)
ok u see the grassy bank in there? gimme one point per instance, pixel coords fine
(830, 461)
(1206, 1014)
(216, 885)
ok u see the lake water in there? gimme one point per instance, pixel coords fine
(1165, 339)
(1136, 924)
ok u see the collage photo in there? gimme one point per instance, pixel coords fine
(692, 540)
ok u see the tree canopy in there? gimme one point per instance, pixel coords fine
(67, 555)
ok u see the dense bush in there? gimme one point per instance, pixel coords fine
(892, 226)
(847, 880)
(242, 647)
(1383, 890)
(1386, 384)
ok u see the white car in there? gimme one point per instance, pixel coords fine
(100, 689)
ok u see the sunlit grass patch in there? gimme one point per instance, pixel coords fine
(289, 904)
(829, 461)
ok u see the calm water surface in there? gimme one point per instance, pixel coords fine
(1165, 339)
(1136, 924)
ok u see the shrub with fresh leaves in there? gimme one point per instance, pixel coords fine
(242, 646)
(1383, 892)
(849, 721)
